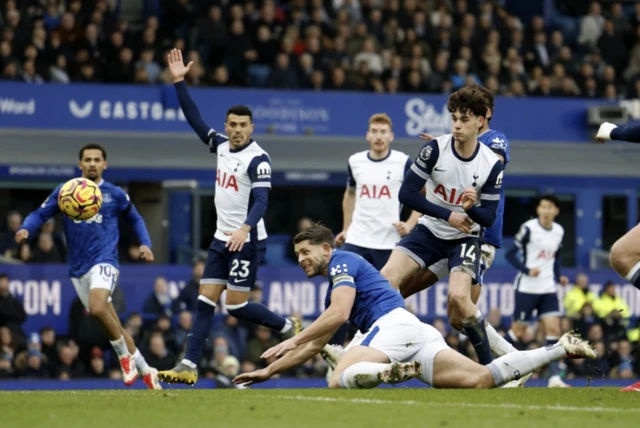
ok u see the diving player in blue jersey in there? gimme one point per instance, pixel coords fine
(396, 346)
(93, 257)
(625, 252)
(243, 181)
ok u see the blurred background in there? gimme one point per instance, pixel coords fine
(313, 71)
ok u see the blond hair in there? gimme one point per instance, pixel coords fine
(381, 118)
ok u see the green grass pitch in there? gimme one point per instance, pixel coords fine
(278, 408)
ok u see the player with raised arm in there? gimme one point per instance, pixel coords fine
(396, 345)
(539, 240)
(243, 180)
(93, 258)
(624, 256)
(370, 206)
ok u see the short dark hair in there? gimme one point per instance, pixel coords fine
(4, 276)
(468, 100)
(93, 146)
(240, 110)
(316, 235)
(489, 97)
(551, 198)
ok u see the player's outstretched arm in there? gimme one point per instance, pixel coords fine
(191, 113)
(609, 131)
(38, 217)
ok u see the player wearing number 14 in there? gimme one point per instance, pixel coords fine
(93, 250)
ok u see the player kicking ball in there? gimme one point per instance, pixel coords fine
(625, 252)
(396, 346)
(93, 258)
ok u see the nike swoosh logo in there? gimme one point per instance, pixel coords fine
(189, 334)
(240, 280)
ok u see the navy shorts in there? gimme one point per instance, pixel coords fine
(426, 249)
(378, 258)
(544, 304)
(237, 270)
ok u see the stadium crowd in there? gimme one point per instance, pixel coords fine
(387, 46)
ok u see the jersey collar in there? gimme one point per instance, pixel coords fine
(100, 183)
(378, 160)
(251, 141)
(457, 155)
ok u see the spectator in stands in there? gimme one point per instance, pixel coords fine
(185, 321)
(229, 368)
(97, 366)
(262, 341)
(158, 355)
(236, 334)
(188, 297)
(8, 245)
(579, 294)
(68, 366)
(8, 343)
(35, 366)
(159, 301)
(610, 304)
(58, 237)
(591, 25)
(12, 314)
(6, 366)
(48, 344)
(45, 251)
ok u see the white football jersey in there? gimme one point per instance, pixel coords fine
(448, 175)
(238, 172)
(377, 183)
(539, 247)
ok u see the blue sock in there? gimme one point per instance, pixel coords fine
(200, 328)
(476, 332)
(511, 338)
(258, 314)
(554, 366)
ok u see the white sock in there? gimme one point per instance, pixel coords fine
(499, 345)
(362, 375)
(517, 364)
(120, 346)
(189, 363)
(141, 363)
(287, 326)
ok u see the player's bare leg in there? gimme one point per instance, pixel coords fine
(452, 370)
(237, 304)
(399, 267)
(625, 256)
(552, 331)
(418, 282)
(149, 374)
(187, 370)
(358, 368)
(99, 307)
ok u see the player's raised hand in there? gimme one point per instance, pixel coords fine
(340, 238)
(248, 379)
(460, 221)
(146, 254)
(469, 197)
(604, 132)
(237, 239)
(176, 66)
(564, 280)
(22, 235)
(426, 137)
(280, 349)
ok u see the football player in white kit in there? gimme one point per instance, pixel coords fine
(396, 345)
(539, 241)
(243, 180)
(464, 179)
(370, 206)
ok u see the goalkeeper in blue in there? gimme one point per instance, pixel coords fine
(396, 346)
(93, 258)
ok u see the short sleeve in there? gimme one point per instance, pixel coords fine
(426, 159)
(260, 171)
(500, 144)
(493, 186)
(342, 271)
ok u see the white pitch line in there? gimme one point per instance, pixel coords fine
(457, 404)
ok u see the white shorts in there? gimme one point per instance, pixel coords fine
(488, 253)
(402, 337)
(102, 275)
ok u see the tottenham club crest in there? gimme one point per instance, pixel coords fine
(425, 153)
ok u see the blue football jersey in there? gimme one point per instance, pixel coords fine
(374, 295)
(497, 142)
(92, 241)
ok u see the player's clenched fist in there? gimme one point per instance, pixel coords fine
(22, 235)
(460, 221)
(469, 198)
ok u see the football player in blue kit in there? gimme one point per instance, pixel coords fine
(93, 257)
(395, 346)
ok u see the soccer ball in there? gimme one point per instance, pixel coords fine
(80, 199)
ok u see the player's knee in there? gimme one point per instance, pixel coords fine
(389, 275)
(98, 309)
(458, 300)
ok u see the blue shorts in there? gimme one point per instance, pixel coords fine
(546, 305)
(426, 249)
(378, 258)
(237, 270)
